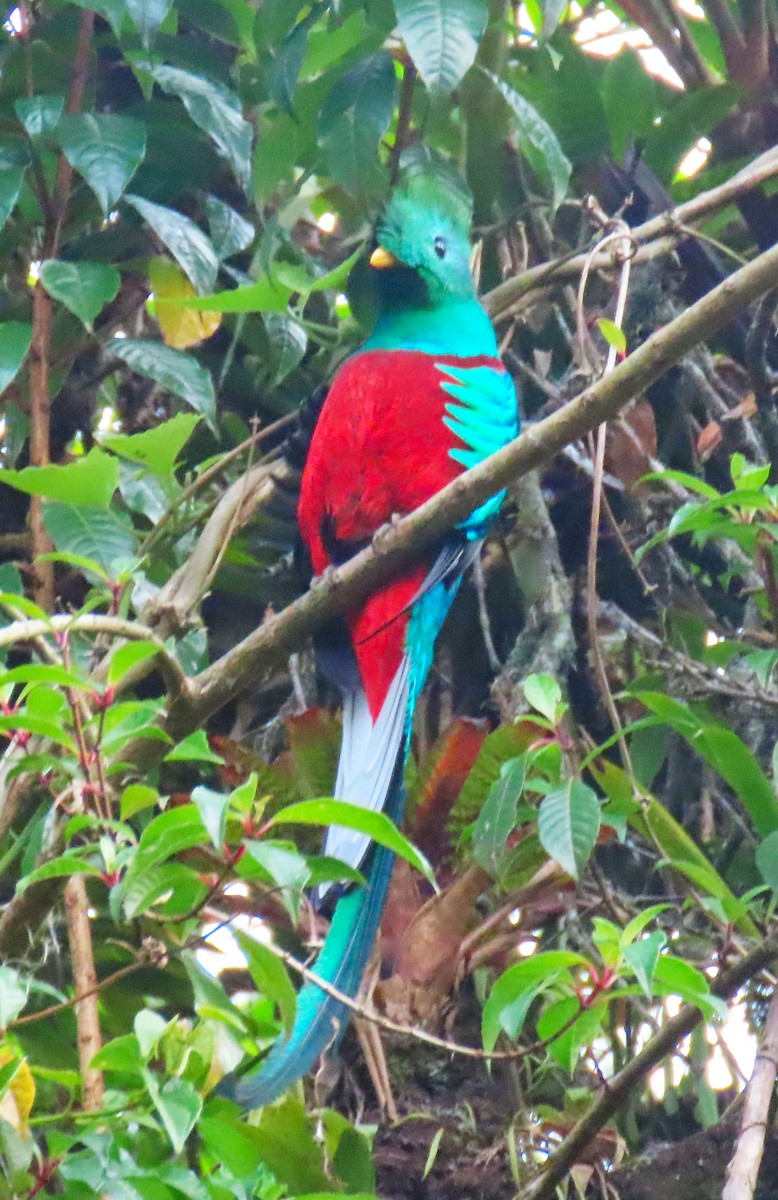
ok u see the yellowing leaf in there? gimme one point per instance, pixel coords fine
(181, 327)
(16, 1104)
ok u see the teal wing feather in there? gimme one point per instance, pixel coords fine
(484, 415)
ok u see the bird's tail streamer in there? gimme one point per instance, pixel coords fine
(321, 1020)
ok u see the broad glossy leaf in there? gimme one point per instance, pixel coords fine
(285, 868)
(178, 372)
(11, 179)
(58, 868)
(185, 241)
(172, 831)
(537, 139)
(181, 327)
(194, 748)
(676, 977)
(376, 825)
(212, 807)
(230, 232)
(157, 448)
(147, 16)
(354, 118)
(39, 114)
(568, 824)
(129, 656)
(171, 889)
(285, 67)
(767, 860)
(178, 1104)
(105, 149)
(102, 534)
(15, 338)
(13, 995)
(216, 110)
(90, 481)
(135, 798)
(289, 342)
(497, 818)
(544, 694)
(630, 122)
(84, 288)
(513, 992)
(642, 956)
(264, 295)
(441, 37)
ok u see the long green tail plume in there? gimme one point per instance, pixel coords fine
(321, 1020)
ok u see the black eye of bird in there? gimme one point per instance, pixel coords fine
(440, 247)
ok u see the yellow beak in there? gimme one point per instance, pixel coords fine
(382, 258)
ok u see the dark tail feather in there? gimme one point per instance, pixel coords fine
(321, 1020)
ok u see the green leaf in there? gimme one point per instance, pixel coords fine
(175, 370)
(643, 956)
(157, 448)
(286, 869)
(691, 115)
(264, 295)
(147, 16)
(271, 978)
(537, 139)
(212, 807)
(544, 694)
(39, 114)
(135, 798)
(285, 66)
(89, 481)
(101, 534)
(441, 37)
(354, 118)
(168, 834)
(514, 991)
(231, 1143)
(497, 818)
(568, 824)
(631, 122)
(105, 149)
(613, 334)
(725, 752)
(194, 748)
(675, 977)
(376, 825)
(84, 288)
(767, 860)
(11, 179)
(13, 996)
(126, 658)
(289, 341)
(230, 232)
(178, 1104)
(120, 1054)
(185, 241)
(216, 110)
(61, 867)
(172, 889)
(15, 338)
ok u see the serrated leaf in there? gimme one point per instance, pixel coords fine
(105, 149)
(84, 288)
(173, 369)
(15, 338)
(90, 481)
(568, 824)
(157, 448)
(271, 978)
(102, 534)
(497, 818)
(537, 139)
(185, 241)
(441, 37)
(216, 110)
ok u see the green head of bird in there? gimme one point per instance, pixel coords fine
(422, 254)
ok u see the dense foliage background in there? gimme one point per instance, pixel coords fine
(185, 186)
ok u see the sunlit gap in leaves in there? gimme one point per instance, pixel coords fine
(221, 951)
(328, 222)
(14, 22)
(33, 272)
(695, 159)
(730, 1063)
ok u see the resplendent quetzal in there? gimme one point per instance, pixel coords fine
(425, 397)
